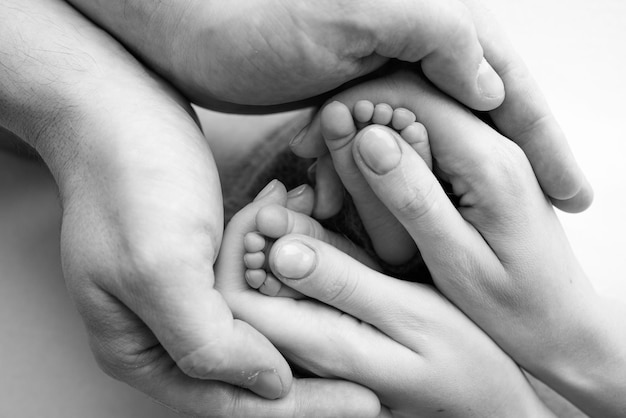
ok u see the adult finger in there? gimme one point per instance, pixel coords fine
(324, 273)
(442, 35)
(526, 118)
(138, 360)
(389, 238)
(401, 179)
(329, 192)
(190, 320)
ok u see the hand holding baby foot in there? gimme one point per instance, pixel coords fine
(524, 117)
(501, 256)
(245, 284)
(287, 51)
(416, 367)
(390, 240)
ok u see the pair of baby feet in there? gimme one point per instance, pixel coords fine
(340, 125)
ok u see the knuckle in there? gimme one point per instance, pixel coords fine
(463, 23)
(501, 166)
(418, 203)
(460, 31)
(340, 288)
(123, 364)
(509, 162)
(206, 361)
(145, 268)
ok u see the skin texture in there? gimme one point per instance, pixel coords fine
(297, 49)
(501, 256)
(420, 367)
(286, 51)
(141, 224)
(137, 181)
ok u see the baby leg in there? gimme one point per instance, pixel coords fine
(339, 126)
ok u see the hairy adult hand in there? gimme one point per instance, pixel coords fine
(142, 220)
(276, 51)
(285, 50)
(524, 117)
(405, 341)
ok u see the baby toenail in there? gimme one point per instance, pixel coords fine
(379, 150)
(294, 260)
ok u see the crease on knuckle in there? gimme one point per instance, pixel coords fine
(462, 30)
(417, 204)
(127, 366)
(203, 362)
(342, 290)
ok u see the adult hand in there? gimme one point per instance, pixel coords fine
(405, 341)
(142, 221)
(501, 256)
(291, 50)
(523, 117)
(286, 50)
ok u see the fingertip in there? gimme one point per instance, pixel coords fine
(481, 89)
(377, 147)
(292, 259)
(274, 186)
(301, 199)
(329, 191)
(579, 202)
(267, 384)
(490, 86)
(309, 143)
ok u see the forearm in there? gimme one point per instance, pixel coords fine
(596, 381)
(578, 348)
(65, 84)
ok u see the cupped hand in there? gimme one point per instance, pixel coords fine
(501, 256)
(405, 341)
(524, 117)
(277, 51)
(228, 54)
(142, 220)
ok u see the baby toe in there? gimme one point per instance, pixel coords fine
(254, 260)
(416, 135)
(255, 278)
(402, 118)
(253, 242)
(271, 286)
(382, 114)
(363, 111)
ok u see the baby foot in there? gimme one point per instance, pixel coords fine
(256, 246)
(339, 126)
(401, 119)
(275, 221)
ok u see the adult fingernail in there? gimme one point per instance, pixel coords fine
(294, 260)
(379, 150)
(266, 384)
(300, 135)
(489, 82)
(311, 173)
(297, 191)
(266, 190)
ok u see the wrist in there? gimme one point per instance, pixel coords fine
(590, 372)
